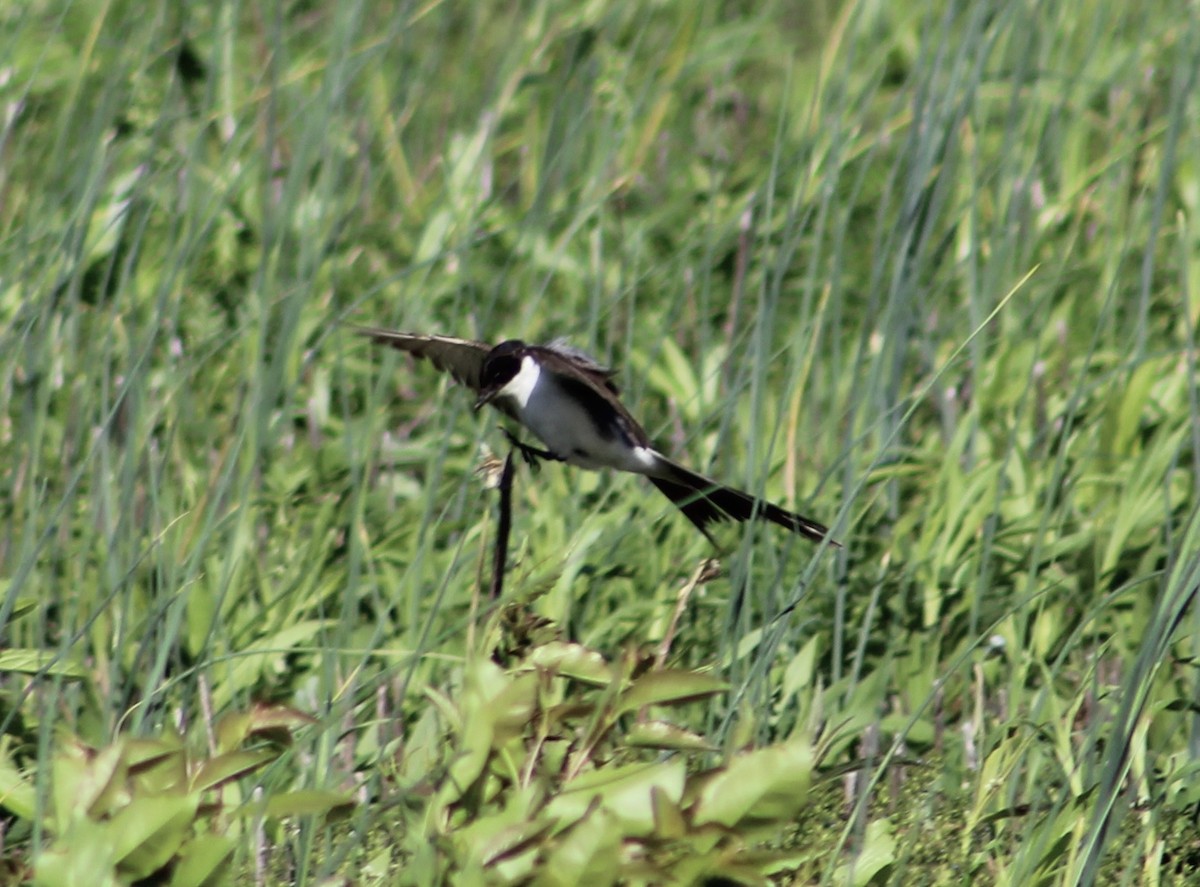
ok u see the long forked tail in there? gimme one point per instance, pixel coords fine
(704, 501)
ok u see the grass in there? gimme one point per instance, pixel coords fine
(923, 271)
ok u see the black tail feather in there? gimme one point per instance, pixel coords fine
(704, 501)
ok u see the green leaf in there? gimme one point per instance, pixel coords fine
(148, 832)
(16, 793)
(21, 605)
(798, 676)
(468, 763)
(660, 734)
(307, 802)
(505, 837)
(259, 656)
(157, 765)
(625, 791)
(46, 662)
(1124, 416)
(589, 853)
(766, 785)
(511, 710)
(669, 686)
(669, 823)
(572, 661)
(233, 765)
(85, 856)
(200, 860)
(85, 781)
(272, 720)
(878, 852)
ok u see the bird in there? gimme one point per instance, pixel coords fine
(568, 400)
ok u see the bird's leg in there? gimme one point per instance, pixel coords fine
(531, 455)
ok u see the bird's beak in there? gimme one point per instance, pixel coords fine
(485, 397)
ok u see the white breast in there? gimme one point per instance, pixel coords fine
(567, 429)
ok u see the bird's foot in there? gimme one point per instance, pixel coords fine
(531, 455)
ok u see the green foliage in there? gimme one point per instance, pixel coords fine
(151, 808)
(923, 270)
(551, 771)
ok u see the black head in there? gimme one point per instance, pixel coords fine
(499, 367)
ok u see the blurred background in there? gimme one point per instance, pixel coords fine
(924, 271)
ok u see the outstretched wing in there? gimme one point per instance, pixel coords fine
(584, 363)
(461, 358)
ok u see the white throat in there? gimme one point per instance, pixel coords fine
(520, 387)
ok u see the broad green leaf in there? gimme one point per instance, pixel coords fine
(85, 857)
(920, 732)
(468, 761)
(669, 823)
(1125, 416)
(774, 862)
(235, 728)
(878, 851)
(232, 729)
(765, 785)
(572, 661)
(799, 673)
(588, 853)
(379, 866)
(307, 802)
(85, 781)
(16, 793)
(157, 765)
(660, 734)
(625, 791)
(200, 859)
(22, 605)
(144, 753)
(147, 832)
(512, 708)
(669, 686)
(249, 665)
(279, 717)
(233, 765)
(503, 834)
(47, 662)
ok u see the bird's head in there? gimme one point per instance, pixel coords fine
(499, 368)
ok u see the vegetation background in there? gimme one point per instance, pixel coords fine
(925, 271)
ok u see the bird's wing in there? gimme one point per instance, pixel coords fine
(567, 359)
(461, 358)
(585, 363)
(583, 378)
